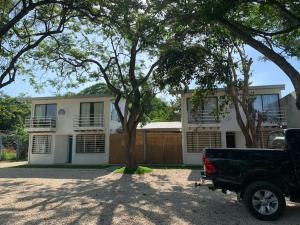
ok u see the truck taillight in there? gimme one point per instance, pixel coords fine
(209, 167)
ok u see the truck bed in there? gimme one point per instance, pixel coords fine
(234, 165)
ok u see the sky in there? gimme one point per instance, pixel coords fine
(264, 73)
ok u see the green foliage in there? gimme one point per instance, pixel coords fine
(13, 113)
(276, 21)
(24, 25)
(205, 65)
(111, 49)
(139, 170)
(201, 28)
(162, 111)
(96, 89)
(8, 155)
(275, 24)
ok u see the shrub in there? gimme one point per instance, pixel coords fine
(8, 155)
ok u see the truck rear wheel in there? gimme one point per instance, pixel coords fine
(264, 200)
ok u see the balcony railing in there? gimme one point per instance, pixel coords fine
(88, 122)
(36, 123)
(274, 116)
(203, 117)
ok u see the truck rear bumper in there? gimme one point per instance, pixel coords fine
(205, 181)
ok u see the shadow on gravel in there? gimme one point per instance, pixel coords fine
(123, 199)
(55, 173)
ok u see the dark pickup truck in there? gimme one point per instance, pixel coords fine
(262, 178)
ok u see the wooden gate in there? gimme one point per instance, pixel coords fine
(117, 154)
(163, 148)
(151, 147)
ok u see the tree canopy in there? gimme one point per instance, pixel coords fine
(163, 111)
(96, 89)
(25, 24)
(12, 113)
(113, 48)
(272, 27)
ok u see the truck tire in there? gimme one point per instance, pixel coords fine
(264, 200)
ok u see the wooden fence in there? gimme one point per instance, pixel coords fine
(151, 148)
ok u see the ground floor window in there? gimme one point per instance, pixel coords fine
(90, 143)
(41, 144)
(197, 141)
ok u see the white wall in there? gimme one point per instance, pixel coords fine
(292, 113)
(61, 149)
(240, 141)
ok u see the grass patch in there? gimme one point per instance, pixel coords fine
(139, 170)
(8, 155)
(65, 166)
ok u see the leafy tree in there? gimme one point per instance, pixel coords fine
(113, 48)
(96, 89)
(175, 109)
(238, 91)
(272, 27)
(228, 66)
(25, 24)
(160, 111)
(13, 113)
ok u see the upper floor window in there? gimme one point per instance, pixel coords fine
(91, 113)
(204, 112)
(267, 102)
(268, 105)
(91, 108)
(45, 111)
(114, 113)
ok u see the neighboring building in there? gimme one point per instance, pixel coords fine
(71, 129)
(292, 113)
(202, 129)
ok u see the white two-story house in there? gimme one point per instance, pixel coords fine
(203, 128)
(71, 129)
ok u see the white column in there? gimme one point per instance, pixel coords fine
(29, 148)
(53, 143)
(223, 138)
(107, 116)
(184, 122)
(73, 147)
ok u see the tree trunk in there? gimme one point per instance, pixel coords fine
(130, 135)
(297, 90)
(249, 142)
(279, 60)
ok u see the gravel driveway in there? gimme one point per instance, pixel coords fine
(94, 196)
